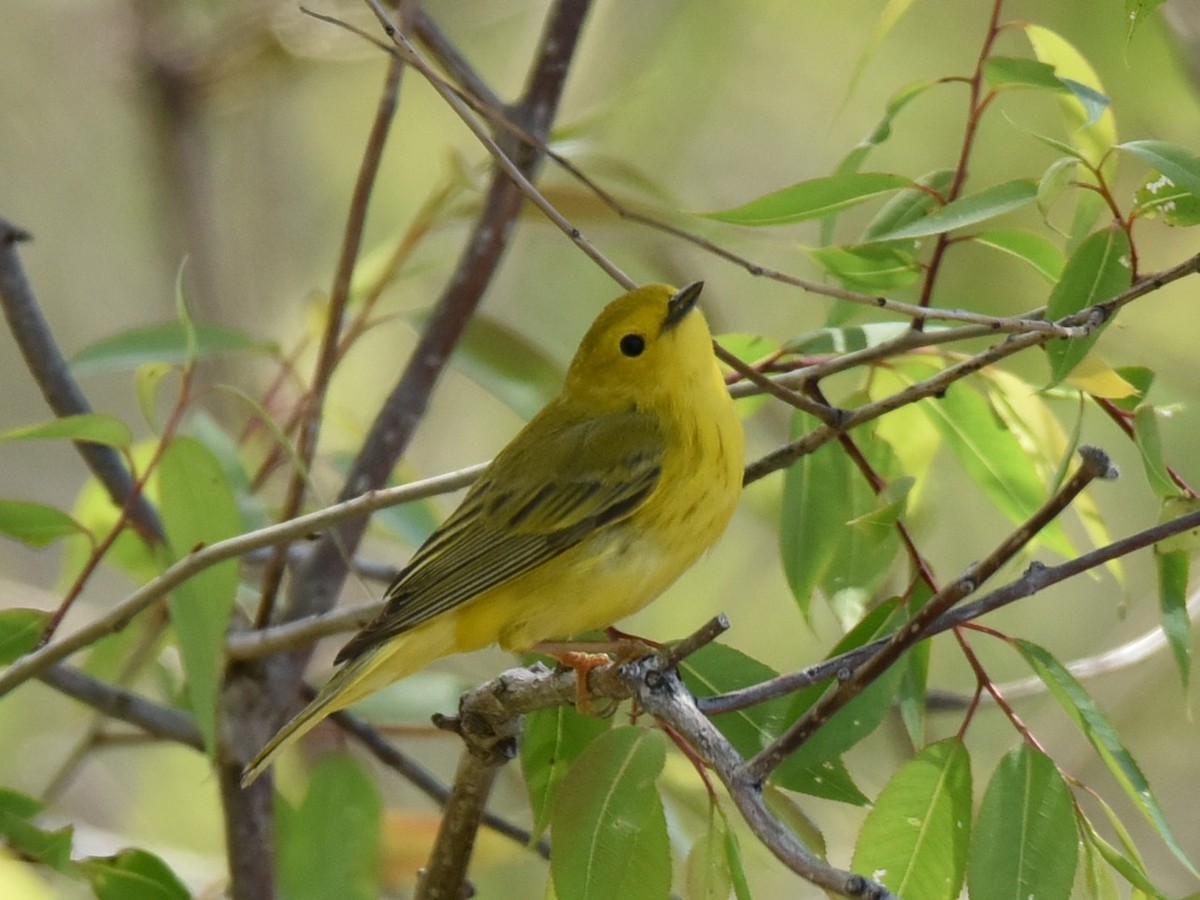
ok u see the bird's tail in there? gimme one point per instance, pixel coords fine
(360, 676)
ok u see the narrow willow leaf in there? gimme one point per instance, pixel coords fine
(784, 807)
(992, 456)
(1130, 867)
(910, 205)
(1020, 72)
(1024, 843)
(1059, 175)
(708, 876)
(868, 267)
(198, 508)
(19, 632)
(913, 692)
(718, 669)
(812, 199)
(1097, 271)
(167, 343)
(1149, 444)
(816, 506)
(1171, 160)
(1097, 378)
(1172, 570)
(1033, 249)
(553, 739)
(508, 365)
(329, 845)
(915, 838)
(133, 874)
(25, 839)
(146, 380)
(987, 204)
(608, 826)
(1096, 727)
(95, 428)
(733, 861)
(858, 154)
(1091, 138)
(1094, 880)
(1089, 207)
(35, 524)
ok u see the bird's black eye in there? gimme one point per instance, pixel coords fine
(633, 344)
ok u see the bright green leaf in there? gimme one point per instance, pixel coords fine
(1142, 379)
(20, 630)
(1019, 72)
(198, 508)
(553, 739)
(1149, 444)
(994, 459)
(146, 380)
(17, 831)
(915, 838)
(1160, 196)
(35, 524)
(1130, 867)
(1094, 880)
(718, 669)
(1096, 727)
(812, 199)
(95, 428)
(817, 503)
(987, 204)
(329, 846)
(1172, 161)
(1091, 135)
(1097, 271)
(1172, 570)
(708, 876)
(1043, 256)
(167, 343)
(1024, 844)
(608, 825)
(910, 205)
(868, 267)
(133, 875)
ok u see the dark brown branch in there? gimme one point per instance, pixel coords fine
(1095, 464)
(64, 396)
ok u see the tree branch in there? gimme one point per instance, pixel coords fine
(64, 396)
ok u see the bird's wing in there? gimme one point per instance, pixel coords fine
(547, 491)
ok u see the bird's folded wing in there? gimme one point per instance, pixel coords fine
(540, 497)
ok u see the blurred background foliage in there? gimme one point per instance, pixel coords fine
(137, 133)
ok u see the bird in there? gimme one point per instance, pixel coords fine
(609, 493)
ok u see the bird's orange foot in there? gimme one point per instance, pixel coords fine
(583, 657)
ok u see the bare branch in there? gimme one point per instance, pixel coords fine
(64, 396)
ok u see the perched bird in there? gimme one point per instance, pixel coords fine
(601, 501)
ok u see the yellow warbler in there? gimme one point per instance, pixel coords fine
(593, 509)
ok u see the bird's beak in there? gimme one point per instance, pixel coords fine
(681, 304)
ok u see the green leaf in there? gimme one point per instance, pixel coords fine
(916, 836)
(1095, 881)
(1059, 175)
(329, 846)
(553, 739)
(198, 508)
(987, 204)
(817, 503)
(95, 428)
(35, 524)
(708, 875)
(853, 160)
(1025, 844)
(911, 204)
(508, 365)
(1096, 727)
(610, 832)
(1043, 256)
(146, 379)
(52, 848)
(1019, 72)
(993, 458)
(733, 860)
(20, 630)
(166, 343)
(1142, 379)
(868, 267)
(1097, 271)
(1131, 868)
(1092, 135)
(1172, 570)
(1186, 541)
(133, 875)
(1171, 160)
(1149, 444)
(913, 690)
(1137, 11)
(1159, 195)
(718, 669)
(812, 199)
